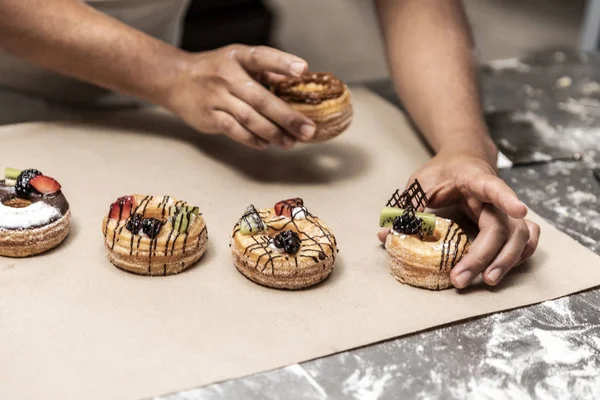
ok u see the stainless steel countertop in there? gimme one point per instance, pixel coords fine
(542, 107)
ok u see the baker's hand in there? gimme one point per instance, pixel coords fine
(219, 92)
(505, 238)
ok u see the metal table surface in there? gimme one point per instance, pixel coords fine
(540, 109)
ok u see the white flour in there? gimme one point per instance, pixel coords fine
(509, 63)
(368, 384)
(548, 363)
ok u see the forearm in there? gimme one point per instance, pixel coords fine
(431, 58)
(73, 39)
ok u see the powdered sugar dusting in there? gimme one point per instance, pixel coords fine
(36, 215)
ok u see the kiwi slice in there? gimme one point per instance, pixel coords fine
(11, 174)
(388, 214)
(251, 222)
(183, 217)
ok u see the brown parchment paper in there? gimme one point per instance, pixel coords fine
(73, 326)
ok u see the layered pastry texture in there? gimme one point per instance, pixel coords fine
(323, 98)
(427, 262)
(423, 248)
(154, 235)
(283, 247)
(34, 213)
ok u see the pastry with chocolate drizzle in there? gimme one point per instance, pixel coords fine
(154, 235)
(283, 247)
(34, 213)
(423, 248)
(323, 98)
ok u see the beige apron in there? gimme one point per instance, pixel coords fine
(25, 82)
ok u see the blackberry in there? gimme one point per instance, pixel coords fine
(152, 227)
(289, 241)
(407, 223)
(134, 224)
(23, 187)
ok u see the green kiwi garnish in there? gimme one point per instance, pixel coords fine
(389, 214)
(183, 217)
(251, 222)
(11, 175)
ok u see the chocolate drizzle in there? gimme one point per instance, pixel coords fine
(291, 89)
(261, 242)
(171, 240)
(454, 235)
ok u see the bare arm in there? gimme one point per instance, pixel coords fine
(431, 58)
(72, 38)
(432, 62)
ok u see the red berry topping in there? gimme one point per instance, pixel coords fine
(122, 208)
(285, 207)
(44, 184)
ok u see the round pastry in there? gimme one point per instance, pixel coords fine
(423, 248)
(283, 247)
(323, 98)
(154, 235)
(427, 262)
(34, 214)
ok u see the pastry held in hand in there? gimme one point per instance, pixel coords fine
(323, 98)
(422, 247)
(34, 214)
(283, 247)
(154, 235)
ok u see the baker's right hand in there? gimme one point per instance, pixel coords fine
(218, 92)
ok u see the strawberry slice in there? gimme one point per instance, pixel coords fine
(122, 208)
(285, 207)
(44, 184)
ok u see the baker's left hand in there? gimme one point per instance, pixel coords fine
(470, 181)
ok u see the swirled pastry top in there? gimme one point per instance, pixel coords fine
(312, 88)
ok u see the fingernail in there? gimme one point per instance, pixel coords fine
(307, 131)
(297, 68)
(495, 275)
(463, 279)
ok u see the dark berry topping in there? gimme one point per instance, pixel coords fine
(134, 224)
(152, 227)
(407, 223)
(23, 187)
(289, 241)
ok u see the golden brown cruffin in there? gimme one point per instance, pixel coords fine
(321, 97)
(427, 263)
(34, 241)
(154, 235)
(257, 256)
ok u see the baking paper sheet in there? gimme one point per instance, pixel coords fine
(74, 326)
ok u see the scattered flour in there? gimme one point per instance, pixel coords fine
(509, 63)
(590, 88)
(578, 197)
(368, 384)
(585, 108)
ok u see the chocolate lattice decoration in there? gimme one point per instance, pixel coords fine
(412, 198)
